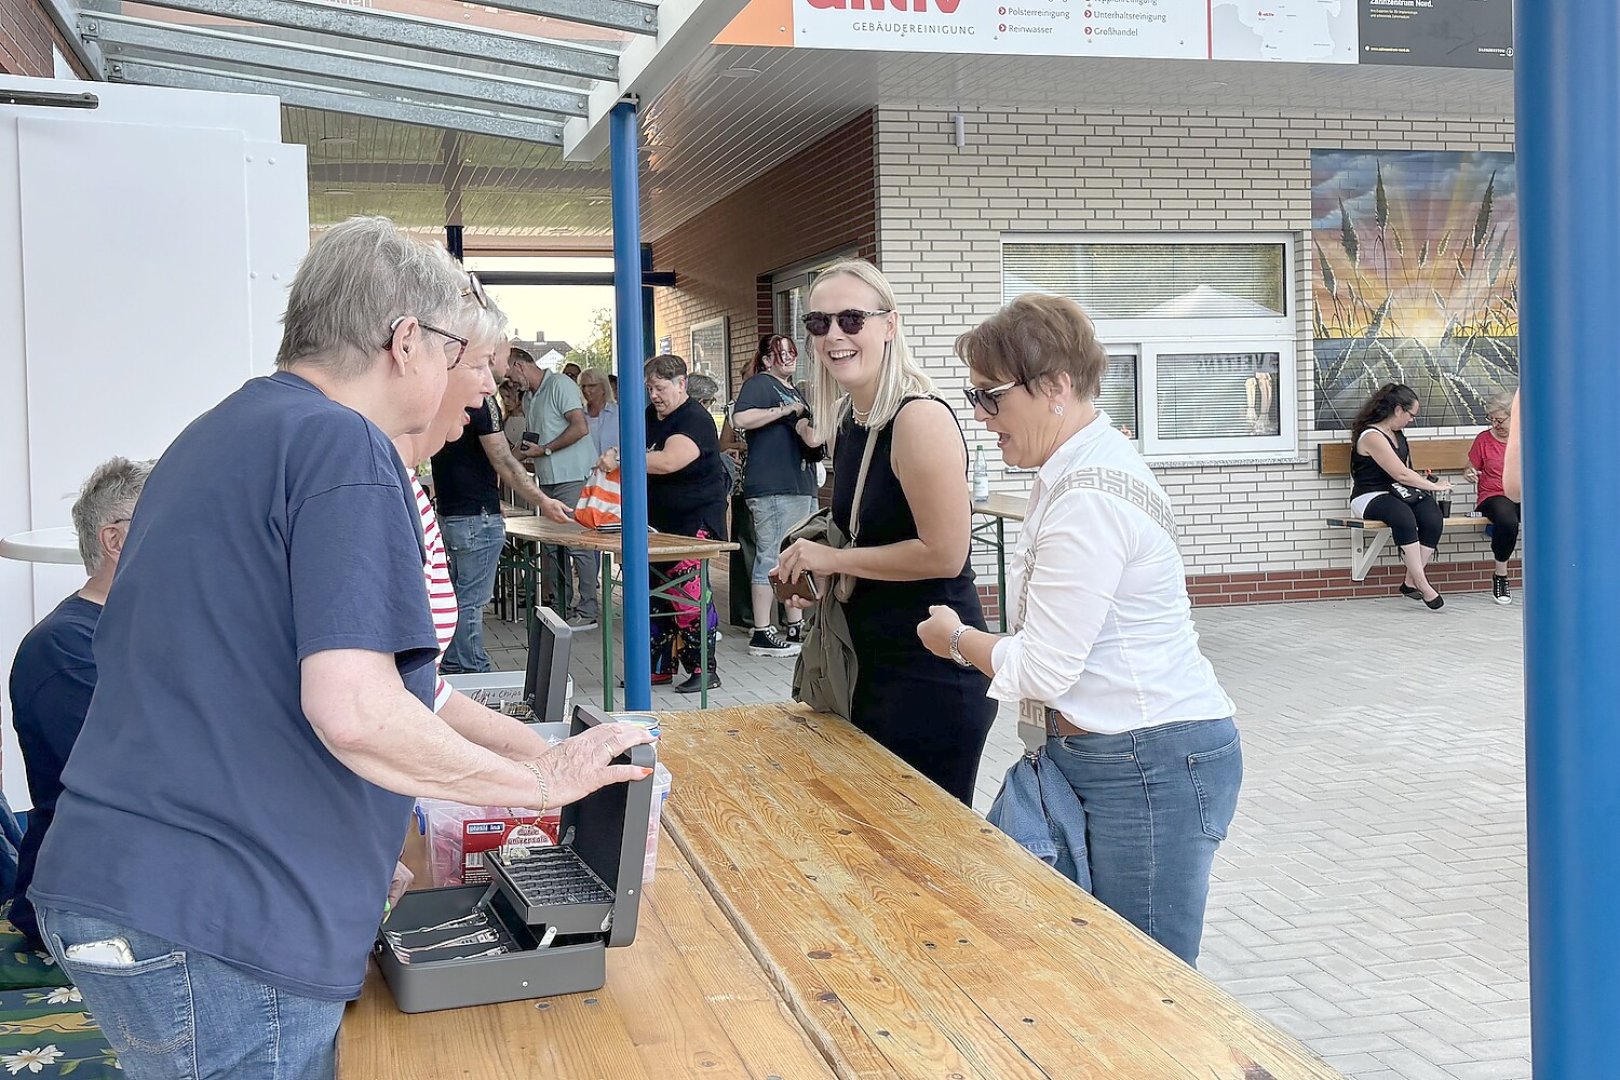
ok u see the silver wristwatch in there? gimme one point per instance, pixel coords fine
(956, 650)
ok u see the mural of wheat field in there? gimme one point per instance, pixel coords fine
(1416, 280)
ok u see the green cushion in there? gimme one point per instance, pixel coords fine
(21, 968)
(47, 1032)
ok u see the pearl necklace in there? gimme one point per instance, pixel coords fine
(860, 417)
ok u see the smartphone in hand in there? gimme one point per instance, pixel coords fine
(804, 587)
(530, 439)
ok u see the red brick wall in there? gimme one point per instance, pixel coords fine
(1286, 586)
(26, 37)
(1280, 586)
(823, 199)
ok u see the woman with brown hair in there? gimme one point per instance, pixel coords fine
(1102, 657)
(1386, 488)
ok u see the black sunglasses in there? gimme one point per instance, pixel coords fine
(989, 400)
(850, 321)
(461, 342)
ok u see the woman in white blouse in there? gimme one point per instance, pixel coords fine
(1103, 657)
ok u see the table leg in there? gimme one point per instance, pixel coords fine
(1001, 570)
(531, 578)
(705, 661)
(607, 631)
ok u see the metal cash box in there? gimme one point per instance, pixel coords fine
(543, 924)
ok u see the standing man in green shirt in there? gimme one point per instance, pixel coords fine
(562, 459)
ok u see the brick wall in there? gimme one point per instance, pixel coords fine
(821, 200)
(26, 37)
(944, 210)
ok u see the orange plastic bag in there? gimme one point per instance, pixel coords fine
(599, 501)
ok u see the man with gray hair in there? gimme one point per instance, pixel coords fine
(230, 820)
(54, 673)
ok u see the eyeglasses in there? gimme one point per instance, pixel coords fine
(1498, 421)
(475, 289)
(989, 400)
(461, 342)
(850, 321)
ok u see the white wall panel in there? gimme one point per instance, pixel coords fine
(145, 248)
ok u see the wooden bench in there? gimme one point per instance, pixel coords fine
(1368, 537)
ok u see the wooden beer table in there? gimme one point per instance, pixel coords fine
(525, 527)
(823, 910)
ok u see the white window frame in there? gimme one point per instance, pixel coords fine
(1148, 338)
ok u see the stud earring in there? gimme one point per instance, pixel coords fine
(1058, 409)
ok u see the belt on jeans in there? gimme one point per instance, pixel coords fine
(1057, 725)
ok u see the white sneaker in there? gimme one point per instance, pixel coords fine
(582, 622)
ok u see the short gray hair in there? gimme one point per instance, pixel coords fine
(703, 387)
(107, 498)
(1500, 402)
(485, 326)
(357, 279)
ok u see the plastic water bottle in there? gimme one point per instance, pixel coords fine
(981, 477)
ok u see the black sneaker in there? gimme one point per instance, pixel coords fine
(1409, 591)
(694, 683)
(794, 633)
(770, 642)
(1499, 589)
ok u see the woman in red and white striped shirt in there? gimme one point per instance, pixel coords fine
(470, 382)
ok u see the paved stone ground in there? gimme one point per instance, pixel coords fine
(1371, 897)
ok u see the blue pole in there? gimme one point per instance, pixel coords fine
(632, 405)
(1568, 124)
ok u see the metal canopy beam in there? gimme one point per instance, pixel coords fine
(312, 97)
(416, 33)
(587, 183)
(126, 38)
(648, 65)
(629, 15)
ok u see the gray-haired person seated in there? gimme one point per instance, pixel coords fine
(54, 672)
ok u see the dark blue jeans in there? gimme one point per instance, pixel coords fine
(179, 1015)
(473, 545)
(1157, 804)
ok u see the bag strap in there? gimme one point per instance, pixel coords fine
(860, 484)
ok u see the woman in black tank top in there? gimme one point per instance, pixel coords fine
(913, 530)
(1382, 477)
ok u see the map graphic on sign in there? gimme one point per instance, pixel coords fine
(1301, 31)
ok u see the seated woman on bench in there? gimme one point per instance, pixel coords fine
(1485, 467)
(1387, 489)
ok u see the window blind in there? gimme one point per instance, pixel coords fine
(1217, 395)
(1152, 281)
(1118, 394)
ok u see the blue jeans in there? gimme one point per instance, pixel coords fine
(178, 1015)
(474, 547)
(773, 516)
(1157, 803)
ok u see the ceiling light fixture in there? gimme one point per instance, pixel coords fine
(741, 72)
(338, 191)
(332, 142)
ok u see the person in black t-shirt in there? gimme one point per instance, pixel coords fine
(779, 482)
(686, 494)
(468, 497)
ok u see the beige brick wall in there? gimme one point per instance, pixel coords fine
(942, 212)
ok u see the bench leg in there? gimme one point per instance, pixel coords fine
(1364, 553)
